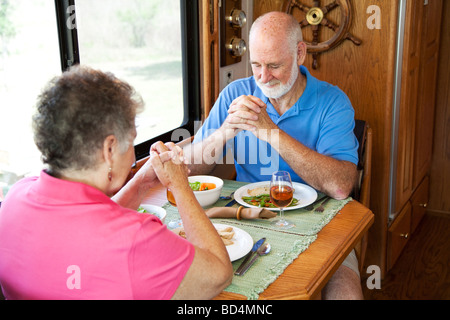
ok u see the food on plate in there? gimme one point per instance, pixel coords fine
(258, 191)
(226, 235)
(263, 201)
(227, 242)
(142, 210)
(260, 197)
(201, 186)
(182, 234)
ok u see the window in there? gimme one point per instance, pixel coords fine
(29, 58)
(151, 44)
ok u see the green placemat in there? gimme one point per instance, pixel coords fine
(306, 222)
(286, 245)
(285, 248)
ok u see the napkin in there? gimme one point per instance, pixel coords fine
(246, 213)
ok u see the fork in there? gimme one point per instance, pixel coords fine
(227, 197)
(312, 205)
(321, 208)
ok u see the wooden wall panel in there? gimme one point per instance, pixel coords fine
(440, 167)
(263, 6)
(427, 90)
(209, 54)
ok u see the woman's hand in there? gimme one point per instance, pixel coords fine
(170, 159)
(169, 164)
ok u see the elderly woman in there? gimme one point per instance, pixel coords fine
(62, 236)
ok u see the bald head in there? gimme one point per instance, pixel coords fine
(275, 25)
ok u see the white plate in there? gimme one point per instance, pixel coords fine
(156, 210)
(302, 192)
(242, 245)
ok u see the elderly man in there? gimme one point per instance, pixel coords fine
(283, 118)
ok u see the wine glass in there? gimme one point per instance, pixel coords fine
(281, 195)
(178, 223)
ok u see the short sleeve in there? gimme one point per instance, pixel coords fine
(158, 261)
(337, 139)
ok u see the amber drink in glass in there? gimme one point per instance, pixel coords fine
(281, 195)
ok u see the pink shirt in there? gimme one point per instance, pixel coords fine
(66, 240)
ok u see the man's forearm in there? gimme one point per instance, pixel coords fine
(333, 177)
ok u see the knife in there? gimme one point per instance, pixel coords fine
(261, 251)
(255, 248)
(311, 206)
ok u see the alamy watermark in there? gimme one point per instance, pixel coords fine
(251, 151)
(71, 22)
(374, 280)
(374, 21)
(74, 280)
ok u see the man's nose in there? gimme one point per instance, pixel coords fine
(265, 75)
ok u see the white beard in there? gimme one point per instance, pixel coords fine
(280, 89)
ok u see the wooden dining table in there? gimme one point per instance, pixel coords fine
(306, 276)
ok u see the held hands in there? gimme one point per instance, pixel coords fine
(169, 165)
(249, 113)
(166, 165)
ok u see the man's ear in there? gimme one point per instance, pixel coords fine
(301, 53)
(109, 149)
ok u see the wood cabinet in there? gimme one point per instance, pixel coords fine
(419, 203)
(440, 166)
(407, 106)
(427, 90)
(418, 92)
(407, 221)
(416, 116)
(399, 234)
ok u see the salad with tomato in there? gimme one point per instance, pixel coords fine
(201, 186)
(263, 201)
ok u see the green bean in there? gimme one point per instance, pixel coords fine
(263, 201)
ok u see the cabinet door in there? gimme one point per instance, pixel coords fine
(419, 202)
(399, 234)
(407, 112)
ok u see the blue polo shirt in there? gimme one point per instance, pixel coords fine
(322, 119)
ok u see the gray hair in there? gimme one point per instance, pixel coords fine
(77, 111)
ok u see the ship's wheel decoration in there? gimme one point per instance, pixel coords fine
(315, 17)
